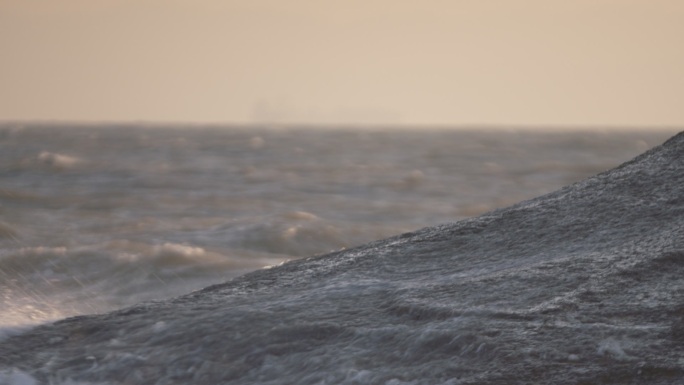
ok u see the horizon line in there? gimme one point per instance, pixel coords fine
(352, 126)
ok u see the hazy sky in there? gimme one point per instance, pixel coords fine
(513, 62)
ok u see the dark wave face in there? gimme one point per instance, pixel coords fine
(581, 286)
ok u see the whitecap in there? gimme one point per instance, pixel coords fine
(59, 161)
(300, 216)
(612, 348)
(178, 250)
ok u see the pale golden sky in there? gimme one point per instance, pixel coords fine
(457, 62)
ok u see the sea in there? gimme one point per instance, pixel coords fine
(98, 217)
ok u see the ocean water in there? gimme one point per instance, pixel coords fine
(99, 217)
(582, 285)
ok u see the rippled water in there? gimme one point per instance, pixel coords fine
(94, 218)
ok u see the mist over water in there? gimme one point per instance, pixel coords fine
(101, 217)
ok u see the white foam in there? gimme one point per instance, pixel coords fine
(275, 264)
(611, 347)
(300, 216)
(58, 160)
(159, 326)
(176, 249)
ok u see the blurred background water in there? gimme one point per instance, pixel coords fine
(98, 217)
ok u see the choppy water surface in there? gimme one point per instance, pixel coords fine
(579, 286)
(94, 218)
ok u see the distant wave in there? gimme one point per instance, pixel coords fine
(58, 160)
(46, 161)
